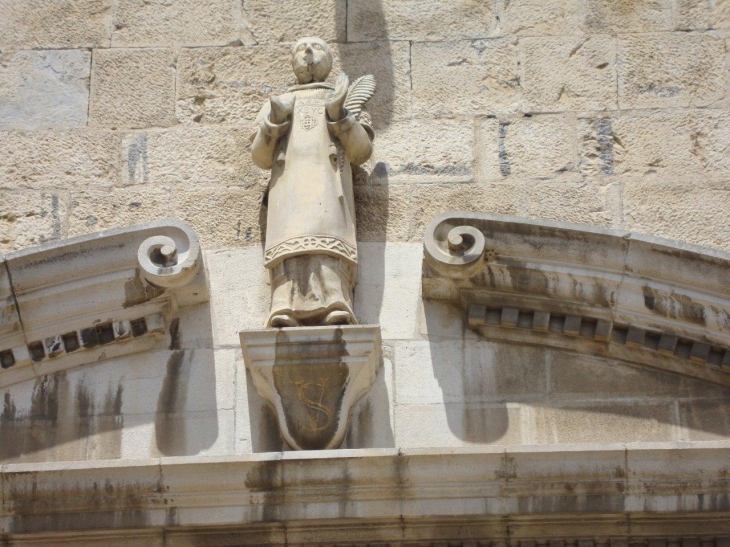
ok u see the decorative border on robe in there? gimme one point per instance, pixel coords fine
(308, 244)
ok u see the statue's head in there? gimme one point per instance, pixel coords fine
(311, 60)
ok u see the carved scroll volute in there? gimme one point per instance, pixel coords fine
(454, 251)
(170, 260)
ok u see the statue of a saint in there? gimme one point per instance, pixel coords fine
(309, 137)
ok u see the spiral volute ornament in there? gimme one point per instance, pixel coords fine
(168, 261)
(456, 251)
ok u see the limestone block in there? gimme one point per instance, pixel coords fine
(540, 18)
(542, 147)
(625, 16)
(269, 21)
(421, 20)
(133, 88)
(703, 15)
(201, 155)
(691, 71)
(30, 218)
(63, 24)
(222, 217)
(148, 23)
(383, 212)
(666, 144)
(591, 202)
(637, 421)
(423, 151)
(456, 425)
(59, 159)
(388, 288)
(705, 420)
(688, 211)
(465, 78)
(429, 372)
(94, 210)
(568, 73)
(44, 88)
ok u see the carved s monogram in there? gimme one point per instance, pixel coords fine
(319, 415)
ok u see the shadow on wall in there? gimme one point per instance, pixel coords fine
(158, 403)
(573, 398)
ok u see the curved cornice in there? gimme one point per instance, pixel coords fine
(648, 300)
(79, 300)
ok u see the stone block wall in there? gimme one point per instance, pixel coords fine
(606, 112)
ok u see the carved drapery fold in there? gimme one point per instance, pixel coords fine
(647, 300)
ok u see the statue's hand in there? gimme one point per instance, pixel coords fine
(336, 104)
(281, 109)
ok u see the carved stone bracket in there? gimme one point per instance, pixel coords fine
(651, 301)
(102, 295)
(312, 377)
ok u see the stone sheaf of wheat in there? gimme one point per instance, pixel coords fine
(359, 93)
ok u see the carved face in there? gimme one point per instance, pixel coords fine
(311, 60)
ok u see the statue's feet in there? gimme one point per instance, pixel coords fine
(339, 317)
(283, 320)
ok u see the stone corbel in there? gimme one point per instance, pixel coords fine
(76, 301)
(628, 296)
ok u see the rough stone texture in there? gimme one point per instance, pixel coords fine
(663, 143)
(679, 210)
(690, 71)
(204, 155)
(423, 151)
(420, 20)
(568, 73)
(465, 78)
(705, 420)
(541, 147)
(383, 212)
(591, 202)
(268, 22)
(144, 23)
(540, 18)
(133, 88)
(624, 16)
(40, 24)
(59, 159)
(94, 210)
(703, 15)
(44, 88)
(30, 218)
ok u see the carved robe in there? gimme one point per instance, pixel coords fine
(311, 249)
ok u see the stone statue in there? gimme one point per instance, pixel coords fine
(309, 138)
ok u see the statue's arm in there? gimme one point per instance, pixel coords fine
(266, 137)
(356, 138)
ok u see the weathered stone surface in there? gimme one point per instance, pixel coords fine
(624, 16)
(590, 202)
(542, 147)
(423, 151)
(666, 144)
(30, 218)
(540, 18)
(207, 155)
(133, 88)
(40, 24)
(705, 420)
(222, 217)
(59, 159)
(181, 23)
(568, 73)
(95, 210)
(703, 15)
(604, 423)
(44, 88)
(690, 71)
(679, 210)
(383, 212)
(465, 78)
(420, 20)
(268, 22)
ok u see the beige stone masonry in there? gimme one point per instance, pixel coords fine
(132, 88)
(269, 21)
(30, 218)
(703, 15)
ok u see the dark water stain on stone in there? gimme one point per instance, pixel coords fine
(360, 432)
(9, 408)
(270, 436)
(674, 306)
(504, 164)
(170, 432)
(138, 291)
(113, 400)
(175, 334)
(604, 141)
(265, 477)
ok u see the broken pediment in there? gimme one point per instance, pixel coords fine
(77, 301)
(632, 297)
